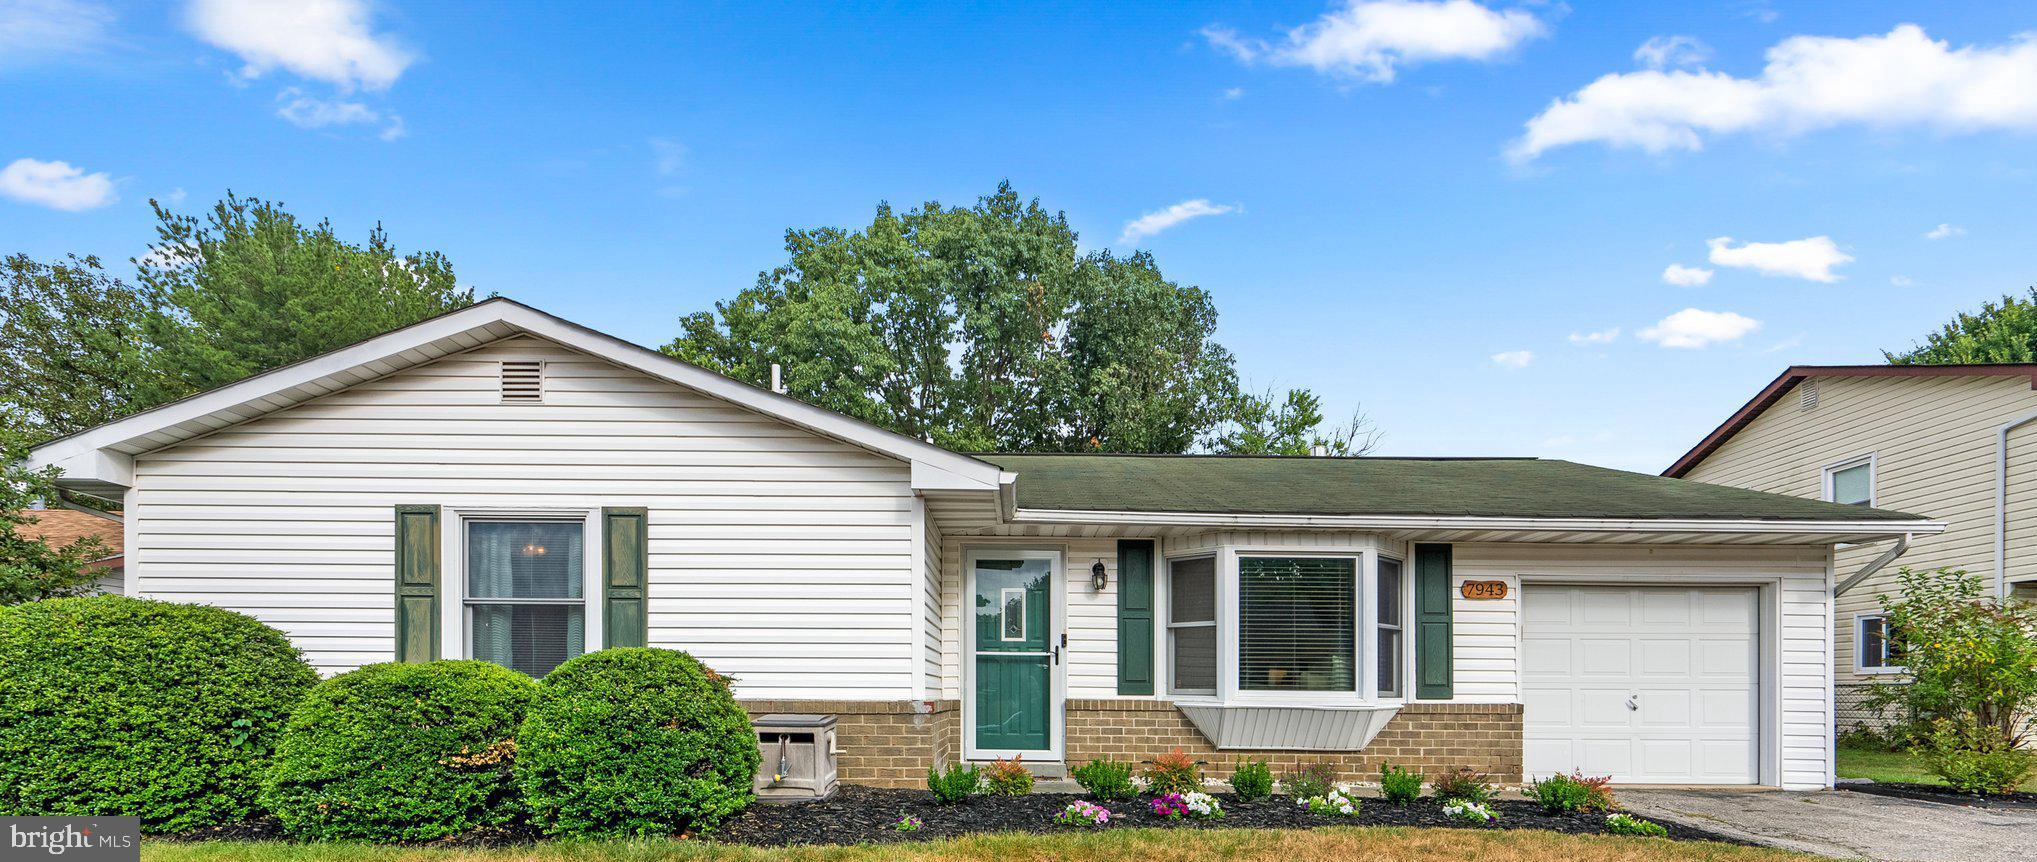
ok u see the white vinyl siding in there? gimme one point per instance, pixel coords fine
(1933, 440)
(778, 556)
(1091, 657)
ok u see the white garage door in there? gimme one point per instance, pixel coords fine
(1651, 685)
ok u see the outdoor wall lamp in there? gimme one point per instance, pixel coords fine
(1098, 577)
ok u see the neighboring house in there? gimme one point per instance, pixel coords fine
(1955, 441)
(61, 527)
(502, 484)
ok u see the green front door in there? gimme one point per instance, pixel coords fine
(1014, 664)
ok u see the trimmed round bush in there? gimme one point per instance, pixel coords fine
(635, 741)
(117, 706)
(401, 752)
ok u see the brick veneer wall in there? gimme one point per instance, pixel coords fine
(883, 743)
(1427, 737)
(891, 743)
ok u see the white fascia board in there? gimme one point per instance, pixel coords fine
(1412, 522)
(927, 477)
(247, 393)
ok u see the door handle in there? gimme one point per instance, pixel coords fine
(1633, 702)
(1057, 655)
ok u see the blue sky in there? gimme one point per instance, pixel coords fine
(1413, 206)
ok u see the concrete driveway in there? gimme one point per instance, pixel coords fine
(1849, 825)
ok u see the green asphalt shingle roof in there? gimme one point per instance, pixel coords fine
(1473, 487)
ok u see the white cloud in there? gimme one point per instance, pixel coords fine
(1367, 40)
(1514, 358)
(176, 196)
(668, 156)
(1811, 259)
(1686, 276)
(1668, 52)
(1903, 79)
(1603, 336)
(1232, 94)
(325, 40)
(310, 112)
(1944, 230)
(56, 185)
(29, 28)
(1693, 328)
(1153, 223)
(1901, 280)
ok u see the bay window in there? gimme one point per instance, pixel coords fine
(1390, 610)
(1192, 626)
(526, 597)
(1297, 624)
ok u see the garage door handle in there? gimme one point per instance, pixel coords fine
(1633, 701)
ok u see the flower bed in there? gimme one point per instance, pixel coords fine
(859, 815)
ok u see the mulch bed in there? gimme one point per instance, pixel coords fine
(1945, 795)
(858, 815)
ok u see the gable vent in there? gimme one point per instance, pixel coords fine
(522, 381)
(1807, 395)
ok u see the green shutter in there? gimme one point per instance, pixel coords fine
(1135, 617)
(417, 583)
(1432, 622)
(625, 556)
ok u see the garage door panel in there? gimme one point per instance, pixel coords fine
(1647, 684)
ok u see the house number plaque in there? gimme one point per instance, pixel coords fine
(1483, 590)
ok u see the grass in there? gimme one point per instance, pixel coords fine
(1880, 764)
(1342, 844)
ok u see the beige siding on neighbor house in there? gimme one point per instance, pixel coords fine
(1933, 439)
(776, 555)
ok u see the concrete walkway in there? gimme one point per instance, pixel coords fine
(1848, 825)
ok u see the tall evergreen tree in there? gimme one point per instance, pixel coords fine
(71, 349)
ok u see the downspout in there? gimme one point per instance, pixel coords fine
(2002, 501)
(1889, 556)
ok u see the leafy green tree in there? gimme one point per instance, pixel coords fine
(1257, 425)
(71, 349)
(1968, 659)
(249, 288)
(980, 327)
(2004, 331)
(31, 570)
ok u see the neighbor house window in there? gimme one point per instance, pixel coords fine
(1297, 625)
(1192, 626)
(1389, 627)
(1878, 646)
(1851, 482)
(526, 597)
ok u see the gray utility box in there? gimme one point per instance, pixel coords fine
(799, 757)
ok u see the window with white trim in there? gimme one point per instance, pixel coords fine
(1851, 481)
(1391, 611)
(526, 597)
(1192, 626)
(1877, 647)
(1297, 624)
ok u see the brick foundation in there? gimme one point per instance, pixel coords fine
(891, 743)
(1426, 737)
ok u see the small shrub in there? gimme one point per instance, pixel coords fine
(1253, 780)
(1466, 784)
(1398, 785)
(1105, 779)
(1332, 804)
(1968, 658)
(1978, 759)
(635, 741)
(1195, 804)
(1469, 811)
(1315, 779)
(957, 784)
(1008, 778)
(112, 705)
(401, 752)
(1562, 794)
(1083, 813)
(1627, 824)
(1174, 772)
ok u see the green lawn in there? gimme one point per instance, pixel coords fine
(1374, 844)
(1884, 765)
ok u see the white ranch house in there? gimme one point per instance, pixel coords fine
(499, 483)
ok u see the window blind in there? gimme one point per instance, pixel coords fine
(1297, 624)
(526, 592)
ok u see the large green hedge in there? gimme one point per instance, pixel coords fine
(401, 752)
(635, 742)
(112, 705)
